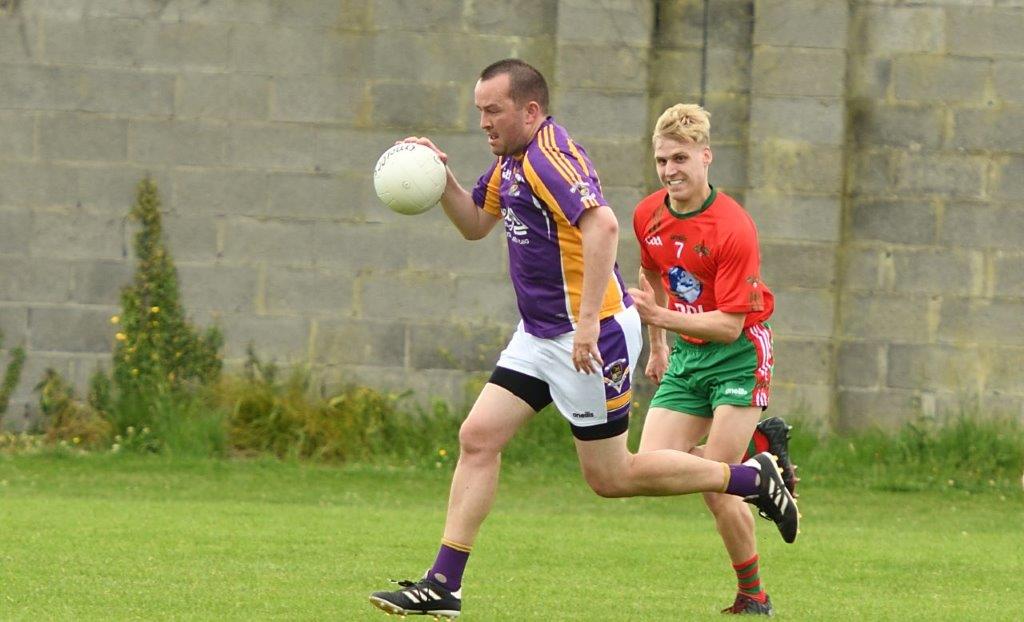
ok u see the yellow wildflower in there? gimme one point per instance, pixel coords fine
(442, 452)
(120, 336)
(114, 319)
(155, 309)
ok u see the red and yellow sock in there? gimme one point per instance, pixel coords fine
(749, 576)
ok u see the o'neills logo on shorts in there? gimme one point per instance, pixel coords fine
(583, 415)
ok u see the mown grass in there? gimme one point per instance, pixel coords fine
(147, 537)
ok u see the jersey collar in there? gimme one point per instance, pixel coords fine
(707, 203)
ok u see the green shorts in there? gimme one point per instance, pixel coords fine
(700, 378)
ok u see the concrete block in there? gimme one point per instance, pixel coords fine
(1009, 275)
(866, 269)
(798, 265)
(220, 192)
(943, 271)
(282, 146)
(814, 121)
(17, 135)
(71, 329)
(218, 288)
(366, 247)
(942, 175)
(36, 364)
(280, 339)
(728, 70)
(872, 172)
(890, 30)
(982, 226)
(907, 126)
(417, 58)
(484, 298)
(191, 238)
(354, 150)
(275, 50)
(900, 222)
(795, 167)
(869, 78)
(83, 137)
(679, 23)
(86, 90)
(223, 96)
(583, 65)
(930, 367)
(676, 71)
(803, 23)
(729, 169)
(860, 364)
(77, 234)
(318, 98)
(946, 79)
(295, 195)
(897, 317)
(802, 361)
(730, 117)
(114, 187)
(605, 115)
(798, 72)
(612, 21)
(13, 325)
(437, 106)
(985, 31)
(408, 296)
(807, 404)
(1002, 366)
(350, 54)
(19, 40)
(303, 292)
(315, 13)
(529, 18)
(991, 130)
(620, 163)
(965, 321)
(15, 231)
(886, 409)
(359, 342)
(1009, 178)
(248, 241)
(443, 15)
(199, 143)
(1008, 80)
(795, 217)
(803, 313)
(25, 184)
(732, 22)
(468, 347)
(100, 282)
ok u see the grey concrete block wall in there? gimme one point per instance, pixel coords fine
(878, 146)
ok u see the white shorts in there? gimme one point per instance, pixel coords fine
(587, 401)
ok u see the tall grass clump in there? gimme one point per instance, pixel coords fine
(11, 376)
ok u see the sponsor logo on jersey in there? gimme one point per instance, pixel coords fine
(683, 284)
(515, 229)
(653, 240)
(684, 308)
(582, 188)
(702, 249)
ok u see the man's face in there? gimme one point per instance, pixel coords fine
(507, 125)
(682, 168)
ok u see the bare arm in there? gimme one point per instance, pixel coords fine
(471, 221)
(716, 326)
(600, 231)
(657, 359)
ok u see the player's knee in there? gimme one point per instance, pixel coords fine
(476, 440)
(721, 504)
(602, 483)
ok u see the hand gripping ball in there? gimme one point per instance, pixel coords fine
(409, 178)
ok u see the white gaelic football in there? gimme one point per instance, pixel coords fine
(409, 178)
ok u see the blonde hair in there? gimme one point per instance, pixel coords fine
(684, 123)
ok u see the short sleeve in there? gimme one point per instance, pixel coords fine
(487, 192)
(640, 224)
(558, 170)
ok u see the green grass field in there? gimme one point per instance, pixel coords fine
(130, 537)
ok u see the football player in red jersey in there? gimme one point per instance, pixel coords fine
(700, 279)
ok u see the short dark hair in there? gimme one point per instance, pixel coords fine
(526, 84)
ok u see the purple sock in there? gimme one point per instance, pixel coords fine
(742, 480)
(449, 565)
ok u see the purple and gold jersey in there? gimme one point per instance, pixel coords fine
(541, 196)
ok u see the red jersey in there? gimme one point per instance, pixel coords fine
(708, 259)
